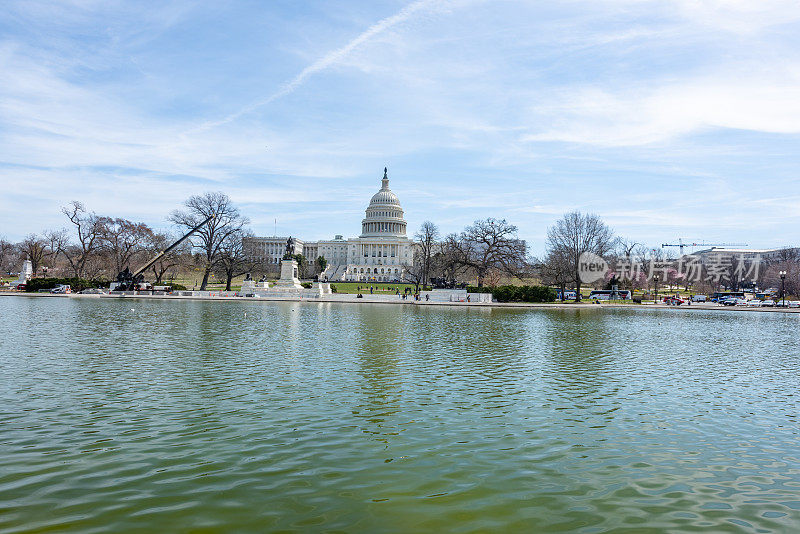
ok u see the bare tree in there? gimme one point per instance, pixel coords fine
(791, 282)
(736, 267)
(626, 247)
(621, 260)
(556, 270)
(426, 239)
(210, 237)
(639, 257)
(788, 254)
(123, 240)
(88, 229)
(445, 261)
(8, 256)
(492, 277)
(158, 241)
(233, 260)
(490, 244)
(57, 240)
(414, 273)
(576, 234)
(34, 249)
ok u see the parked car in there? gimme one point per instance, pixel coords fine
(93, 291)
(755, 303)
(734, 301)
(769, 303)
(793, 303)
(699, 298)
(61, 288)
(673, 301)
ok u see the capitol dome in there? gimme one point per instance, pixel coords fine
(384, 215)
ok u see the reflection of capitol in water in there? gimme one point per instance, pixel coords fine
(378, 254)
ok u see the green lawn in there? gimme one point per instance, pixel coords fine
(378, 288)
(214, 283)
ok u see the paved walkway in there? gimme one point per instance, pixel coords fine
(394, 299)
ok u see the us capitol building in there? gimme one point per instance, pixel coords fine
(377, 255)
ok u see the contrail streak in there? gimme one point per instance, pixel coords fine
(331, 58)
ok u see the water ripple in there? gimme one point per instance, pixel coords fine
(188, 416)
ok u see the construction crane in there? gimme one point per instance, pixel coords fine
(683, 245)
(128, 281)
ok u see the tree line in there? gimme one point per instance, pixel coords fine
(96, 246)
(488, 251)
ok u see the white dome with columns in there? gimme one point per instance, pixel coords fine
(384, 215)
(382, 252)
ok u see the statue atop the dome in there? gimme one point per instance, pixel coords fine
(385, 181)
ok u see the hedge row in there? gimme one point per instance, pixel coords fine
(173, 285)
(524, 294)
(476, 289)
(76, 284)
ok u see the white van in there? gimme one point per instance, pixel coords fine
(699, 298)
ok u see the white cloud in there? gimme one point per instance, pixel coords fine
(739, 16)
(628, 117)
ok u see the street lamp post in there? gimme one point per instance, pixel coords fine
(783, 286)
(655, 285)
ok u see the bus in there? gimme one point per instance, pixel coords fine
(569, 294)
(610, 294)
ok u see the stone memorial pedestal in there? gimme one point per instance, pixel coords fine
(288, 287)
(288, 280)
(24, 275)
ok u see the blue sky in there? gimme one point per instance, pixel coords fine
(668, 118)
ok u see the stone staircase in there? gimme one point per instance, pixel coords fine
(334, 273)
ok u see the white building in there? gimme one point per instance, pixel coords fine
(747, 254)
(270, 249)
(378, 254)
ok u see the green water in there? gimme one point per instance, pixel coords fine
(143, 416)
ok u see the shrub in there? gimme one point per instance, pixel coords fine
(174, 286)
(524, 294)
(76, 284)
(306, 285)
(333, 288)
(476, 289)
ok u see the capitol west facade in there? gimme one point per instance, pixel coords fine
(378, 254)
